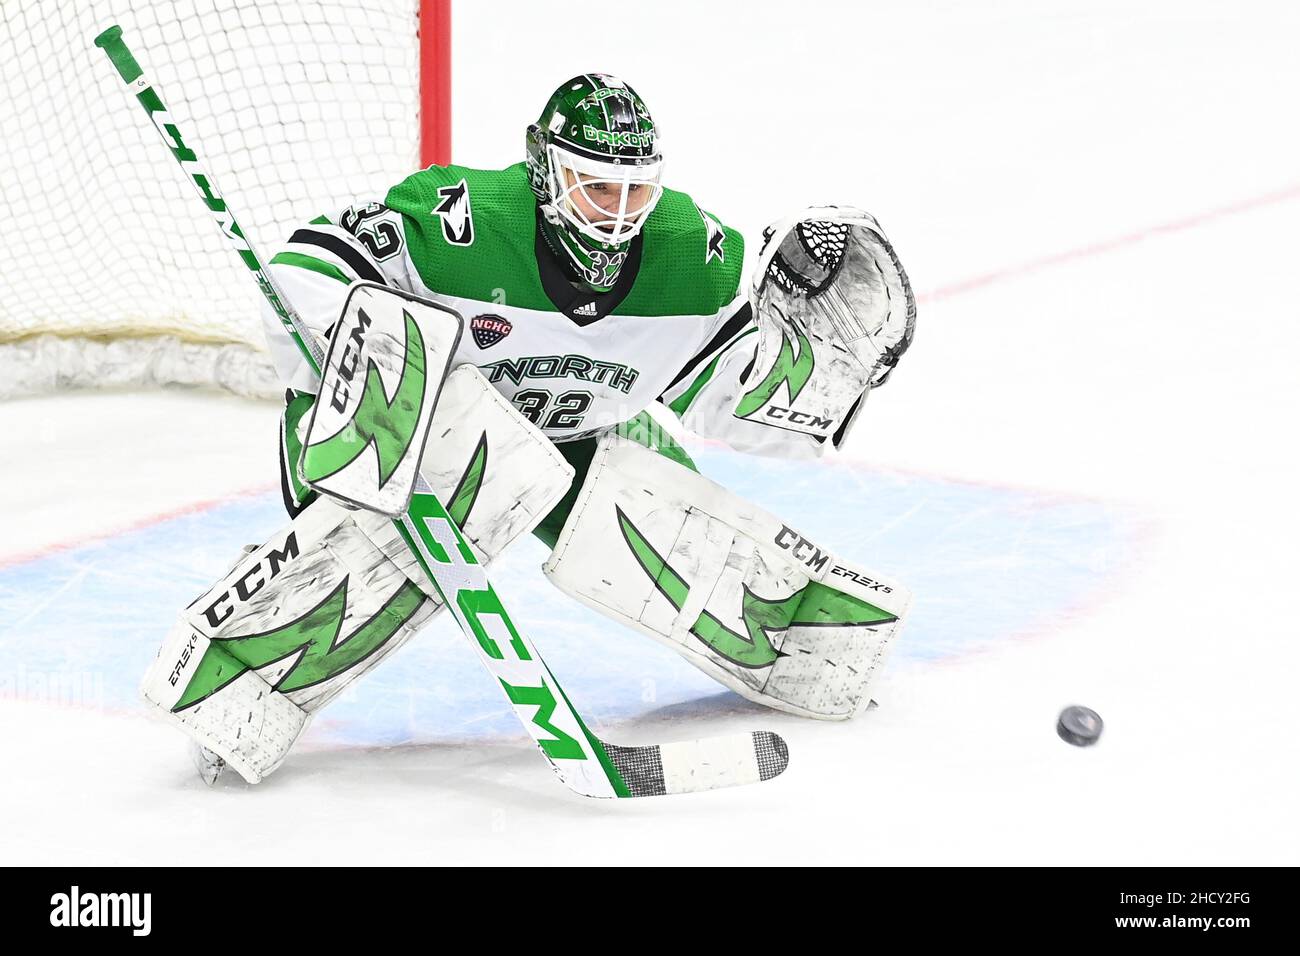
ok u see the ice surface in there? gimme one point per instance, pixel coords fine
(1085, 468)
(987, 564)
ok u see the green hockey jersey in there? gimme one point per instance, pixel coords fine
(574, 362)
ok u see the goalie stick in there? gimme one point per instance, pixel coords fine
(583, 762)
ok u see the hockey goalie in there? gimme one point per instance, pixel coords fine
(500, 335)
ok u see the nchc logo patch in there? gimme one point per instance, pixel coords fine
(488, 330)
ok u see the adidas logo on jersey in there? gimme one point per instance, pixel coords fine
(588, 309)
(488, 330)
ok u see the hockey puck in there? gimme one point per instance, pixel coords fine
(1079, 726)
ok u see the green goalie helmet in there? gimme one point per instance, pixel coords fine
(594, 163)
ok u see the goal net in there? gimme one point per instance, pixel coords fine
(111, 271)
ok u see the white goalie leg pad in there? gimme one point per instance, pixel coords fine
(741, 595)
(243, 666)
(498, 475)
(337, 591)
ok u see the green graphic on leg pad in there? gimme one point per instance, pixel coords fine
(462, 499)
(814, 604)
(316, 635)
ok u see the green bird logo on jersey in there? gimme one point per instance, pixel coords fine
(456, 215)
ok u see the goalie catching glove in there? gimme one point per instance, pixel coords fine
(835, 313)
(832, 314)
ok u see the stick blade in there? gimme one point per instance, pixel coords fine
(691, 766)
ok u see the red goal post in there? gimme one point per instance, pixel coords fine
(111, 273)
(435, 82)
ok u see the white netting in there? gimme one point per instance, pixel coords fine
(294, 107)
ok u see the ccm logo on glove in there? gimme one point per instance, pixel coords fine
(798, 418)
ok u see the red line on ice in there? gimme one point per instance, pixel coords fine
(197, 507)
(1109, 245)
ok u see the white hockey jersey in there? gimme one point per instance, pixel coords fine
(675, 328)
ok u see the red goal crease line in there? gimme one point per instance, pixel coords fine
(962, 286)
(148, 521)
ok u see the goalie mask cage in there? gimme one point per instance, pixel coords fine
(111, 272)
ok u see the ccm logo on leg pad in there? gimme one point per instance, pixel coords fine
(801, 548)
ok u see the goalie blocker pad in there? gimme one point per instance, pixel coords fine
(334, 593)
(387, 359)
(737, 592)
(835, 312)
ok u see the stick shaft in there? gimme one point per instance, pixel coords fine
(574, 752)
(133, 76)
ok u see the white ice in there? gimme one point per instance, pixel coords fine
(1097, 203)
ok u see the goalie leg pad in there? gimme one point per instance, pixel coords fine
(337, 591)
(736, 591)
(291, 624)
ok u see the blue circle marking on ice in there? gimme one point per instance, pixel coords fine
(983, 563)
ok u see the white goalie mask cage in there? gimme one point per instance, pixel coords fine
(621, 194)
